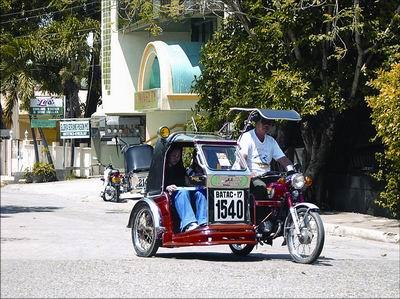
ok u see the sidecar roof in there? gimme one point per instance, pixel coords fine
(272, 113)
(156, 172)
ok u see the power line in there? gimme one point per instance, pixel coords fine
(50, 35)
(44, 14)
(24, 11)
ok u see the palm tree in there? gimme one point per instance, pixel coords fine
(17, 85)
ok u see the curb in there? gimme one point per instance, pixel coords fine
(370, 234)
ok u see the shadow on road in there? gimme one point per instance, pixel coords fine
(228, 257)
(11, 209)
(223, 257)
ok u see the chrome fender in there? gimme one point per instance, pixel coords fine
(308, 205)
(154, 209)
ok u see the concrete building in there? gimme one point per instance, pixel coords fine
(146, 80)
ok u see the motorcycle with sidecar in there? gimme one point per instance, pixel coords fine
(235, 217)
(137, 159)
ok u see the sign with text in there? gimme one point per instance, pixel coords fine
(147, 99)
(49, 107)
(74, 129)
(43, 123)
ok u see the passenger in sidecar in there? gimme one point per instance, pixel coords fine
(225, 184)
(176, 175)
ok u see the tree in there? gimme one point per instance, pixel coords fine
(313, 58)
(386, 118)
(46, 43)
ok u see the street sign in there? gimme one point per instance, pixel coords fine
(74, 129)
(47, 106)
(43, 123)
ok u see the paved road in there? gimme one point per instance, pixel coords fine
(61, 240)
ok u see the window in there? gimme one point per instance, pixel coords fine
(223, 157)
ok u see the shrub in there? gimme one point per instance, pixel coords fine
(386, 118)
(43, 172)
(28, 176)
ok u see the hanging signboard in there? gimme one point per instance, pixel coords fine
(47, 106)
(74, 129)
(43, 123)
(44, 110)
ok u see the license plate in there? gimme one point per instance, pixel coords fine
(228, 205)
(141, 183)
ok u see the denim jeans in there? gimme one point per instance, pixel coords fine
(182, 200)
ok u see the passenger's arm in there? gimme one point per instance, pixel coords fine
(171, 188)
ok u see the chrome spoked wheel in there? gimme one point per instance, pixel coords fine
(306, 247)
(110, 193)
(144, 236)
(241, 249)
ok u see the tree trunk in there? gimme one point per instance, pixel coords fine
(94, 79)
(35, 146)
(71, 90)
(49, 158)
(317, 137)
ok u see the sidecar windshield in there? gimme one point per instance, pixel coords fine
(225, 157)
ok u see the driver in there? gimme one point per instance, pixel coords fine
(176, 176)
(258, 149)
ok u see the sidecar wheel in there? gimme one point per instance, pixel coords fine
(110, 193)
(144, 237)
(241, 249)
(307, 247)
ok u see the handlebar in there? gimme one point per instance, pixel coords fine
(269, 173)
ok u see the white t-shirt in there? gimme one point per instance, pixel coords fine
(259, 154)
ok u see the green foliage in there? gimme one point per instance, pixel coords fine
(149, 13)
(27, 176)
(44, 44)
(386, 118)
(295, 57)
(41, 172)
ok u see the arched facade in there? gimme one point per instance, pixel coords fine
(166, 75)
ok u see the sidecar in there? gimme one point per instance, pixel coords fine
(226, 180)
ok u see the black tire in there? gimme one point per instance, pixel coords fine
(110, 193)
(144, 238)
(306, 248)
(241, 249)
(117, 197)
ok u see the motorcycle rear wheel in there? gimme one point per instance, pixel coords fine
(307, 247)
(241, 249)
(144, 237)
(110, 193)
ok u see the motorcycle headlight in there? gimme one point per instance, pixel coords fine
(297, 181)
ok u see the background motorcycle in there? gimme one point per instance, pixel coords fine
(112, 179)
(137, 159)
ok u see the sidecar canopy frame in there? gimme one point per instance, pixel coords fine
(273, 114)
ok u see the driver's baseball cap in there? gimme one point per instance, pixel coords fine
(257, 117)
(265, 121)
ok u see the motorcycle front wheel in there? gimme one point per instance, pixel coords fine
(144, 237)
(306, 247)
(241, 249)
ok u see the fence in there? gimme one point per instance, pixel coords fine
(19, 155)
